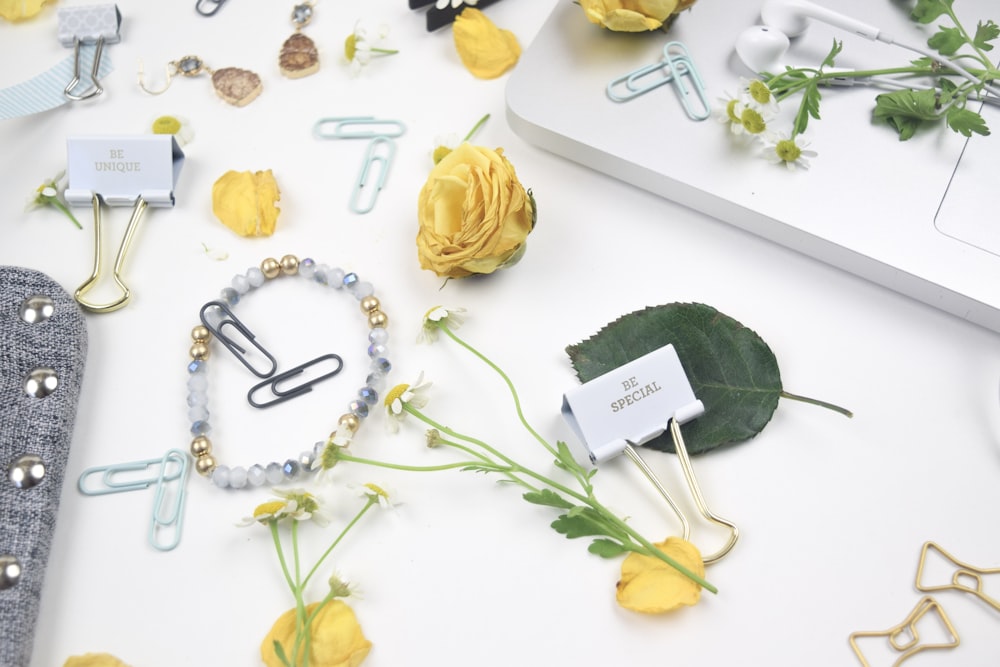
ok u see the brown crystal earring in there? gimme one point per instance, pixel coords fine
(299, 56)
(236, 86)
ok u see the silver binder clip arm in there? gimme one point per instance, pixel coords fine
(95, 85)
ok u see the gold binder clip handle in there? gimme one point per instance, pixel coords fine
(95, 276)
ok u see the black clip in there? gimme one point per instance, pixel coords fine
(208, 7)
(282, 395)
(238, 351)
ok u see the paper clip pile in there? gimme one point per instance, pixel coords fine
(676, 68)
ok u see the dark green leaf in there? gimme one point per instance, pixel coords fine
(606, 548)
(549, 498)
(731, 369)
(905, 110)
(967, 122)
(947, 41)
(808, 107)
(927, 10)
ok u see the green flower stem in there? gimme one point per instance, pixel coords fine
(968, 39)
(588, 499)
(343, 533)
(485, 459)
(343, 456)
(273, 525)
(69, 214)
(443, 326)
(384, 52)
(814, 401)
(304, 637)
(475, 128)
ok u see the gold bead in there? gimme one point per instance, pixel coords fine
(205, 464)
(289, 265)
(201, 446)
(351, 421)
(377, 318)
(369, 304)
(200, 334)
(270, 267)
(199, 351)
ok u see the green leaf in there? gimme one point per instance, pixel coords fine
(606, 548)
(927, 10)
(808, 107)
(581, 522)
(834, 52)
(548, 498)
(279, 651)
(905, 110)
(947, 41)
(731, 369)
(985, 33)
(967, 122)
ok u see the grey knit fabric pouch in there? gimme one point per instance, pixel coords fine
(43, 351)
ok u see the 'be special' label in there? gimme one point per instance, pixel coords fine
(632, 404)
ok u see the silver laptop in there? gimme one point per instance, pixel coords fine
(919, 217)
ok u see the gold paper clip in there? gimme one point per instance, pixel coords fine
(905, 637)
(965, 572)
(693, 486)
(133, 224)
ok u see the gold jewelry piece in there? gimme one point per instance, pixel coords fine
(236, 86)
(964, 573)
(905, 637)
(299, 56)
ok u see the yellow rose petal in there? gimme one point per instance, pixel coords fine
(18, 10)
(485, 50)
(244, 201)
(94, 660)
(631, 15)
(651, 586)
(336, 639)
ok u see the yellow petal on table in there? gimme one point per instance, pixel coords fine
(336, 639)
(244, 201)
(94, 660)
(651, 586)
(18, 10)
(485, 50)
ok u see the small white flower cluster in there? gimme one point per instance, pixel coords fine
(749, 115)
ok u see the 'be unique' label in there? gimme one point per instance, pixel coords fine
(632, 404)
(121, 169)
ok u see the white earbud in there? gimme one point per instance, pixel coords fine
(792, 18)
(761, 48)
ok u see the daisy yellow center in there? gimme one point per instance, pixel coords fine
(395, 392)
(269, 508)
(351, 46)
(760, 93)
(377, 490)
(166, 125)
(752, 121)
(787, 150)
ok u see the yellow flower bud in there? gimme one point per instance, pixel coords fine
(651, 586)
(485, 50)
(94, 660)
(631, 15)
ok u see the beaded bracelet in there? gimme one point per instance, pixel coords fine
(275, 473)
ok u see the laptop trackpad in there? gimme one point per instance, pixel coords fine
(967, 212)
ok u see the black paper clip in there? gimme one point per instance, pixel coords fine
(208, 7)
(281, 395)
(240, 352)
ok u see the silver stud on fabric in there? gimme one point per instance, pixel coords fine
(41, 382)
(10, 572)
(26, 471)
(36, 308)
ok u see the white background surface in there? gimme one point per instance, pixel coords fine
(833, 511)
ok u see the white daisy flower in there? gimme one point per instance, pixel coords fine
(454, 317)
(782, 148)
(402, 395)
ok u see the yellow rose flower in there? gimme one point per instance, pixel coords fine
(336, 639)
(94, 660)
(632, 15)
(18, 10)
(245, 202)
(475, 216)
(651, 586)
(485, 50)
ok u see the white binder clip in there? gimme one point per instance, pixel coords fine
(91, 24)
(627, 407)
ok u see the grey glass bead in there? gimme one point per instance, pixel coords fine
(196, 366)
(197, 382)
(237, 477)
(302, 14)
(350, 279)
(230, 296)
(41, 382)
(256, 475)
(291, 469)
(368, 395)
(321, 274)
(335, 277)
(307, 268)
(361, 289)
(255, 276)
(10, 572)
(378, 336)
(220, 476)
(241, 284)
(381, 364)
(376, 380)
(201, 427)
(198, 413)
(274, 474)
(358, 409)
(306, 460)
(197, 398)
(377, 350)
(26, 471)
(36, 308)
